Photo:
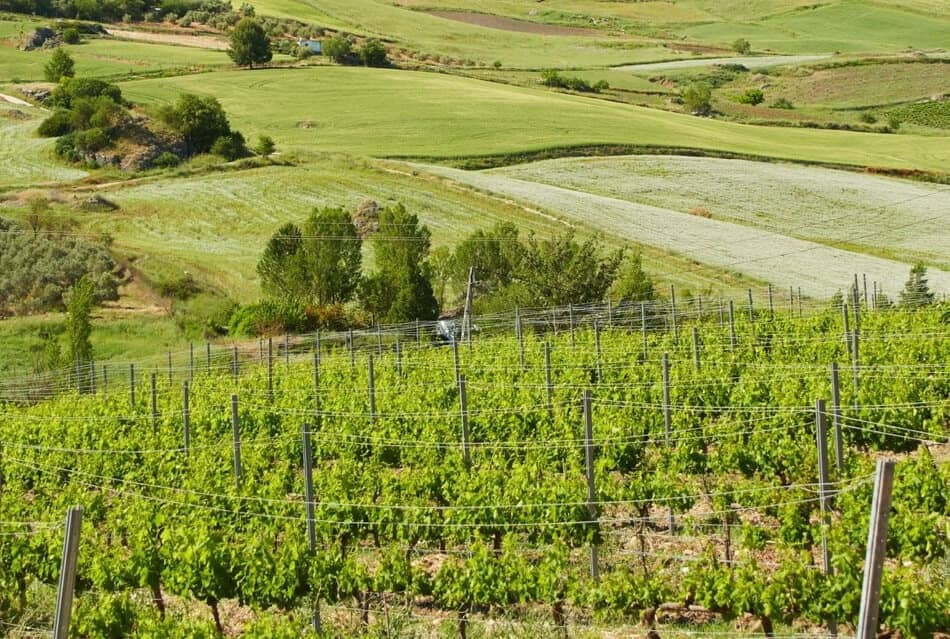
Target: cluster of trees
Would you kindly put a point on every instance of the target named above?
(340, 49)
(90, 115)
(38, 268)
(319, 265)
(113, 10)
(551, 78)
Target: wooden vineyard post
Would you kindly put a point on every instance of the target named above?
(463, 406)
(821, 435)
(185, 415)
(235, 366)
(154, 405)
(836, 419)
(610, 315)
(667, 415)
(379, 340)
(132, 386)
(643, 327)
(751, 311)
(105, 379)
(696, 356)
(311, 515)
(456, 362)
(799, 302)
(591, 490)
(771, 304)
(570, 320)
(286, 350)
(191, 361)
(600, 370)
(866, 302)
(547, 379)
(676, 333)
(316, 385)
(519, 332)
(236, 433)
(67, 573)
(208, 355)
(349, 343)
(699, 301)
(876, 550)
(169, 368)
(270, 369)
(372, 389)
(732, 327)
(847, 328)
(399, 359)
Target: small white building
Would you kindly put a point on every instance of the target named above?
(315, 46)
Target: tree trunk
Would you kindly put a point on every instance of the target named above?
(158, 598)
(560, 619)
(463, 625)
(767, 626)
(216, 614)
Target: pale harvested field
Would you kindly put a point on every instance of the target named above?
(180, 39)
(751, 62)
(26, 159)
(510, 24)
(765, 255)
(865, 212)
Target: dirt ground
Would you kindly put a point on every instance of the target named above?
(199, 41)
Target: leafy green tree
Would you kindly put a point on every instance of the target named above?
(332, 257)
(200, 120)
(71, 35)
(400, 290)
(79, 325)
(741, 46)
(917, 291)
(277, 267)
(60, 65)
(265, 146)
(495, 253)
(561, 271)
(230, 146)
(752, 96)
(338, 48)
(633, 284)
(373, 54)
(250, 44)
(697, 98)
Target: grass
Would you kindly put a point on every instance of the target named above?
(109, 59)
(803, 202)
(759, 254)
(397, 113)
(26, 159)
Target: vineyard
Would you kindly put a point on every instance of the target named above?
(564, 473)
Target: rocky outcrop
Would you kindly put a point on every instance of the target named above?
(42, 38)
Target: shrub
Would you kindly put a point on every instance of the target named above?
(230, 146)
(741, 46)
(697, 98)
(71, 35)
(91, 140)
(752, 96)
(265, 146)
(782, 103)
(867, 117)
(55, 125)
(373, 54)
(74, 88)
(66, 148)
(201, 121)
(60, 65)
(166, 160)
(338, 48)
(893, 122)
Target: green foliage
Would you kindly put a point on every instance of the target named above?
(59, 123)
(632, 283)
(741, 46)
(697, 98)
(752, 96)
(553, 78)
(916, 291)
(60, 65)
(867, 117)
(399, 290)
(339, 48)
(230, 146)
(783, 103)
(166, 160)
(73, 89)
(79, 323)
(200, 120)
(249, 44)
(265, 146)
(934, 113)
(373, 54)
(71, 35)
(37, 270)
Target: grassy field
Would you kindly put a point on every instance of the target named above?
(767, 256)
(895, 218)
(25, 159)
(397, 113)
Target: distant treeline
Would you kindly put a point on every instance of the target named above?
(111, 10)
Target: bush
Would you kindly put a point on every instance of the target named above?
(56, 125)
(200, 120)
(265, 146)
(66, 148)
(697, 98)
(75, 88)
(60, 65)
(752, 96)
(893, 122)
(71, 35)
(741, 46)
(782, 103)
(230, 146)
(91, 140)
(867, 117)
(338, 48)
(373, 54)
(166, 160)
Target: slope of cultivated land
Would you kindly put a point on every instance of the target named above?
(435, 36)
(24, 158)
(108, 58)
(768, 256)
(399, 113)
(750, 62)
(909, 220)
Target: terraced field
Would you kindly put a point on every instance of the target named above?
(765, 255)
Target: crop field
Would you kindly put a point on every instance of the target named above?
(442, 116)
(26, 159)
(767, 256)
(900, 218)
(556, 483)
